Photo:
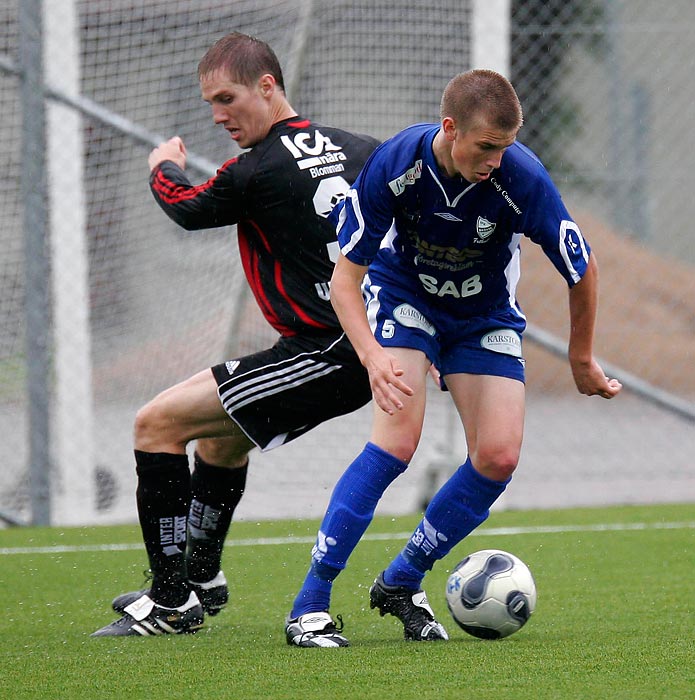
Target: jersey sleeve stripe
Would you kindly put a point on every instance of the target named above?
(173, 193)
(566, 226)
(352, 205)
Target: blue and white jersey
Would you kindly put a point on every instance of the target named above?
(453, 244)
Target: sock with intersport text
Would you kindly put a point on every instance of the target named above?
(216, 492)
(459, 506)
(163, 498)
(350, 510)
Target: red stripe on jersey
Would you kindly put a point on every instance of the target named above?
(299, 125)
(249, 260)
(227, 163)
(300, 312)
(261, 235)
(171, 192)
(281, 287)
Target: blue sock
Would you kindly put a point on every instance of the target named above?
(348, 515)
(459, 506)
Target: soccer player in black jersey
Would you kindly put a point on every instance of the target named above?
(278, 193)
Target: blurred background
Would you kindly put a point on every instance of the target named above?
(104, 302)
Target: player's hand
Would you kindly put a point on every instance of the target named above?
(436, 376)
(591, 380)
(173, 150)
(384, 379)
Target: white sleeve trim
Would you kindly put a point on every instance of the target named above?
(359, 231)
(566, 225)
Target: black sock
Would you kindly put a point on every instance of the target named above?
(163, 498)
(216, 492)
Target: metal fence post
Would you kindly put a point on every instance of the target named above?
(37, 308)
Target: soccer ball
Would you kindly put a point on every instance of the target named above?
(491, 594)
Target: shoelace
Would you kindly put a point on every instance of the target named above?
(337, 629)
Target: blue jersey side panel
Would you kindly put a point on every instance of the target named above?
(452, 243)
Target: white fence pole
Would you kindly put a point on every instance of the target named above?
(490, 35)
(75, 483)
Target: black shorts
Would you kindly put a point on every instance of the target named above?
(281, 393)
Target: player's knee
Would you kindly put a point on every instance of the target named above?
(149, 423)
(402, 452)
(402, 447)
(496, 463)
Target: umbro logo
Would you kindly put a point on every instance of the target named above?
(446, 215)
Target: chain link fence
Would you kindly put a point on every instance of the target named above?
(608, 101)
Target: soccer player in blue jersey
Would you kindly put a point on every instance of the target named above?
(429, 237)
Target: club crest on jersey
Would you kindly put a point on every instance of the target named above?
(484, 229)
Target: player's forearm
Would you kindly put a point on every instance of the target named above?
(188, 206)
(588, 374)
(583, 308)
(347, 300)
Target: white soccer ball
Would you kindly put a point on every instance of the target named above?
(491, 594)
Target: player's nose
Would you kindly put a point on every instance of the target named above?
(494, 160)
(218, 115)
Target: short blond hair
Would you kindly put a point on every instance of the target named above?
(482, 93)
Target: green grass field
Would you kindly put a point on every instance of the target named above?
(615, 617)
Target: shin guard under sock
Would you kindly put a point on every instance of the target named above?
(216, 492)
(163, 498)
(459, 506)
(349, 513)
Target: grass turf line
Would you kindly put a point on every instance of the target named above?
(614, 617)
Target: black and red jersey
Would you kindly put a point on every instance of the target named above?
(279, 194)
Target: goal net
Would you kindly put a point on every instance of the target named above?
(136, 304)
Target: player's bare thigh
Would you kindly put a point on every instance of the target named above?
(182, 413)
(399, 433)
(492, 411)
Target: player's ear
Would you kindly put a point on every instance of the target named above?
(449, 128)
(266, 85)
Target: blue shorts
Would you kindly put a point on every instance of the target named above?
(489, 344)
